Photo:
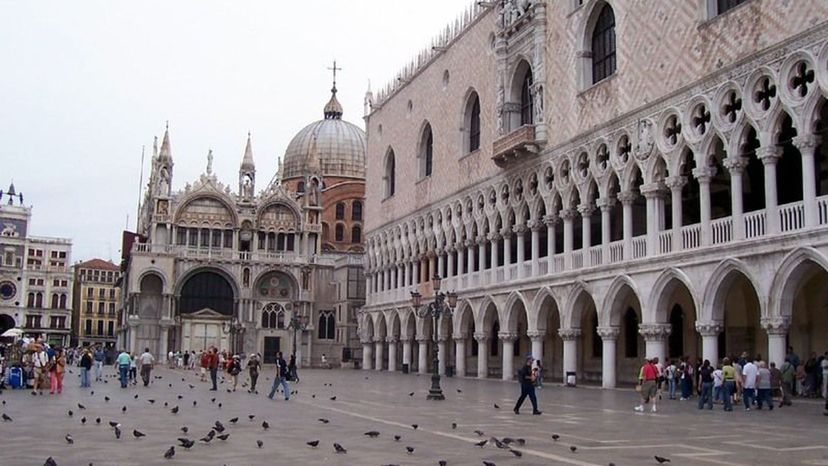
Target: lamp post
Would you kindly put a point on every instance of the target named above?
(297, 323)
(443, 302)
(234, 327)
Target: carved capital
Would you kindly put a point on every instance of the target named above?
(776, 325)
(494, 236)
(605, 203)
(652, 190)
(806, 142)
(654, 332)
(569, 334)
(481, 337)
(481, 239)
(769, 155)
(506, 232)
(735, 164)
(709, 329)
(626, 197)
(378, 339)
(675, 182)
(535, 335)
(550, 220)
(421, 339)
(704, 174)
(391, 340)
(459, 336)
(608, 333)
(567, 214)
(586, 210)
(507, 336)
(519, 229)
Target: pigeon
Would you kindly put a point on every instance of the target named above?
(7, 418)
(234, 420)
(498, 443)
(219, 427)
(114, 424)
(80, 406)
(555, 437)
(175, 410)
(410, 450)
(186, 443)
(661, 459)
(454, 425)
(251, 416)
(323, 420)
(92, 393)
(151, 401)
(83, 420)
(488, 463)
(481, 443)
(496, 406)
(397, 437)
(212, 400)
(138, 433)
(117, 432)
(185, 429)
(191, 386)
(333, 398)
(265, 425)
(166, 404)
(479, 433)
(223, 437)
(411, 394)
(97, 420)
(180, 396)
(219, 405)
(415, 426)
(169, 453)
(50, 462)
(442, 462)
(313, 443)
(259, 443)
(123, 410)
(339, 448)
(106, 398)
(372, 434)
(508, 440)
(520, 441)
(69, 439)
(459, 391)
(195, 402)
(70, 413)
(516, 453)
(573, 448)
(207, 438)
(136, 396)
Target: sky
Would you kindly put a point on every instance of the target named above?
(85, 84)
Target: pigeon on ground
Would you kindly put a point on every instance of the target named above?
(80, 406)
(138, 434)
(169, 453)
(313, 443)
(175, 410)
(219, 405)
(234, 420)
(251, 416)
(114, 424)
(219, 427)
(516, 453)
(323, 420)
(479, 433)
(106, 398)
(7, 418)
(136, 396)
(573, 448)
(415, 426)
(411, 394)
(339, 448)
(397, 437)
(123, 410)
(459, 391)
(442, 462)
(454, 425)
(50, 462)
(496, 406)
(70, 413)
(410, 450)
(372, 434)
(185, 429)
(97, 420)
(661, 459)
(151, 401)
(265, 425)
(333, 398)
(481, 443)
(223, 437)
(117, 432)
(555, 437)
(195, 403)
(259, 443)
(488, 463)
(186, 443)
(83, 420)
(69, 439)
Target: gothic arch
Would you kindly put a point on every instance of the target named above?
(791, 274)
(584, 36)
(510, 316)
(462, 316)
(227, 275)
(717, 285)
(189, 199)
(663, 287)
(537, 315)
(575, 302)
(611, 310)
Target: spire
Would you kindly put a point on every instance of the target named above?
(155, 148)
(165, 144)
(333, 109)
(369, 100)
(247, 160)
(279, 171)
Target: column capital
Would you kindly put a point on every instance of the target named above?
(652, 190)
(507, 336)
(704, 174)
(608, 333)
(379, 339)
(654, 332)
(626, 197)
(422, 339)
(406, 338)
(568, 334)
(481, 337)
(735, 164)
(519, 229)
(460, 335)
(776, 325)
(709, 329)
(535, 335)
(442, 338)
(605, 203)
(391, 340)
(506, 233)
(550, 220)
(768, 154)
(365, 340)
(586, 210)
(481, 239)
(567, 214)
(675, 182)
(534, 225)
(806, 142)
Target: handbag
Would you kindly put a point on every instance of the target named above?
(638, 388)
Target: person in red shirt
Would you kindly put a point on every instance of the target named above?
(212, 364)
(205, 364)
(647, 377)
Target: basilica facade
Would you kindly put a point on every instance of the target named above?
(600, 181)
(247, 270)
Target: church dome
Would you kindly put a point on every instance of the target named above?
(330, 146)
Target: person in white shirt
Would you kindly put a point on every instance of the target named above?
(718, 380)
(671, 379)
(40, 362)
(146, 360)
(749, 373)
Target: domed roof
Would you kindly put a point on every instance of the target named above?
(331, 146)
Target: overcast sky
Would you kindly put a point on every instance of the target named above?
(84, 84)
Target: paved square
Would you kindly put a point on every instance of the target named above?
(600, 423)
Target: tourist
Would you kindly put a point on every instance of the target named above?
(749, 374)
(147, 361)
(824, 366)
(686, 379)
(526, 378)
(325, 364)
(737, 367)
(85, 366)
(186, 360)
(706, 385)
(171, 360)
(763, 386)
(133, 367)
(538, 370)
(234, 368)
(647, 377)
(253, 365)
(729, 383)
(776, 382)
(293, 376)
(792, 357)
(40, 363)
(718, 381)
(99, 357)
(179, 357)
(213, 364)
(788, 382)
(57, 366)
(122, 364)
(660, 378)
(280, 378)
(204, 362)
(670, 374)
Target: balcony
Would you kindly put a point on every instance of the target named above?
(515, 146)
(231, 255)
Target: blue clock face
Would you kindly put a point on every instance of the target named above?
(7, 290)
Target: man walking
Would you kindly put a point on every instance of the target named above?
(122, 363)
(40, 361)
(706, 385)
(749, 373)
(526, 377)
(85, 367)
(280, 378)
(253, 365)
(647, 377)
(212, 364)
(147, 361)
(99, 360)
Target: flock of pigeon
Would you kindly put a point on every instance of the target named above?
(220, 432)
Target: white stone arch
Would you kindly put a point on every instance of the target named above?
(466, 118)
(393, 324)
(610, 313)
(663, 288)
(574, 304)
(509, 321)
(408, 323)
(536, 321)
(583, 37)
(211, 195)
(380, 329)
(791, 274)
(165, 287)
(717, 285)
(484, 319)
(463, 316)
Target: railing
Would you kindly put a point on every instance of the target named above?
(578, 259)
(513, 271)
(558, 263)
(691, 236)
(791, 216)
(543, 266)
(639, 247)
(500, 274)
(596, 255)
(527, 268)
(617, 251)
(722, 230)
(754, 224)
(665, 242)
(822, 209)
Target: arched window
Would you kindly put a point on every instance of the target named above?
(426, 152)
(356, 234)
(62, 301)
(39, 300)
(327, 326)
(527, 113)
(340, 211)
(474, 124)
(339, 232)
(390, 174)
(630, 333)
(356, 211)
(30, 301)
(273, 316)
(55, 300)
(300, 188)
(603, 45)
(280, 319)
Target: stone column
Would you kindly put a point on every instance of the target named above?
(567, 215)
(520, 231)
(807, 144)
(416, 275)
(676, 184)
(441, 355)
(535, 227)
(162, 347)
(550, 221)
(536, 338)
(450, 262)
(379, 343)
(605, 204)
(432, 266)
(777, 329)
(422, 356)
(493, 239)
(482, 355)
(366, 355)
(507, 246)
(586, 211)
(481, 251)
(626, 198)
(460, 355)
(461, 256)
(441, 264)
(736, 166)
(704, 175)
(655, 339)
(769, 156)
(407, 351)
(709, 332)
(508, 356)
(609, 337)
(570, 349)
(652, 193)
(470, 256)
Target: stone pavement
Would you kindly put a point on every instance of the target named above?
(600, 423)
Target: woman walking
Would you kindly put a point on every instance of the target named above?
(253, 366)
(56, 368)
(85, 367)
(234, 368)
(706, 385)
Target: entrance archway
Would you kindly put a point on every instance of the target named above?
(207, 290)
(6, 322)
(625, 314)
(803, 300)
(549, 321)
(736, 303)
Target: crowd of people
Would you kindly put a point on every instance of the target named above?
(748, 380)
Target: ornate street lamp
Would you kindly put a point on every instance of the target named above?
(297, 323)
(443, 302)
(233, 327)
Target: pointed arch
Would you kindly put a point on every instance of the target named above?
(656, 310)
(621, 288)
(793, 272)
(510, 313)
(718, 284)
